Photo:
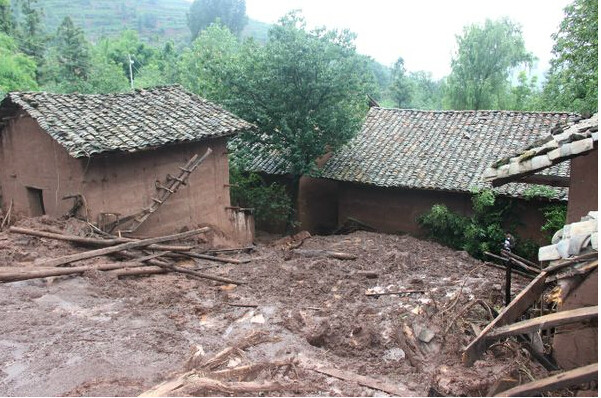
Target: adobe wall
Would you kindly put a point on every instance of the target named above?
(393, 210)
(31, 158)
(396, 210)
(584, 189)
(125, 184)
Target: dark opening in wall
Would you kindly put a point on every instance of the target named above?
(36, 202)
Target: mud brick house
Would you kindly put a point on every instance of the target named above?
(113, 151)
(402, 162)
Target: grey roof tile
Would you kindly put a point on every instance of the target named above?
(97, 123)
(439, 150)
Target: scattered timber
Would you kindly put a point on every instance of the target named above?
(546, 322)
(117, 248)
(571, 261)
(93, 241)
(243, 305)
(515, 271)
(516, 260)
(522, 259)
(201, 275)
(573, 377)
(395, 390)
(509, 314)
(22, 274)
(368, 274)
(323, 253)
(138, 271)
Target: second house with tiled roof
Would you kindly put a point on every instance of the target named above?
(112, 156)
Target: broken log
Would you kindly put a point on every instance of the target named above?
(21, 274)
(522, 259)
(93, 241)
(570, 378)
(368, 274)
(324, 253)
(515, 260)
(117, 248)
(214, 258)
(545, 322)
(201, 275)
(396, 390)
(571, 261)
(515, 271)
(138, 271)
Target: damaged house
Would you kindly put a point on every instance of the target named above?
(111, 157)
(402, 162)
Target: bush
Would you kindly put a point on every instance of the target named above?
(555, 218)
(270, 202)
(445, 226)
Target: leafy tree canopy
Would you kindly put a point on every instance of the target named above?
(17, 70)
(306, 91)
(231, 13)
(486, 55)
(573, 79)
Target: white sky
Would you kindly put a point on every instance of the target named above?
(421, 31)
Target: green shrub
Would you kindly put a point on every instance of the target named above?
(271, 202)
(555, 218)
(445, 226)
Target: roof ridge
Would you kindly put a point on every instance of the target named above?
(474, 111)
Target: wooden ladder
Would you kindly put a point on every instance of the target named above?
(165, 190)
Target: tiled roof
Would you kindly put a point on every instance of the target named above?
(439, 150)
(87, 124)
(556, 147)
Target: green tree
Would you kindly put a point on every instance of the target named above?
(304, 90)
(17, 70)
(231, 13)
(573, 79)
(486, 55)
(69, 61)
(127, 45)
(401, 89)
(525, 96)
(426, 92)
(6, 18)
(207, 66)
(30, 32)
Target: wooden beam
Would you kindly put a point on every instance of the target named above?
(517, 307)
(545, 322)
(113, 249)
(92, 241)
(571, 261)
(552, 181)
(573, 377)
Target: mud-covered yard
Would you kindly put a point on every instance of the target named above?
(97, 334)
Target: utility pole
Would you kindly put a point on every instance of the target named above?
(131, 73)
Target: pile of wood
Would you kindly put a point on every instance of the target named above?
(507, 324)
(224, 373)
(144, 257)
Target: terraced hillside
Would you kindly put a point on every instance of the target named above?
(155, 20)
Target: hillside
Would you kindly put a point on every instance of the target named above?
(155, 20)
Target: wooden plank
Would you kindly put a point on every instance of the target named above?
(123, 246)
(522, 259)
(397, 390)
(510, 313)
(571, 261)
(515, 260)
(573, 377)
(552, 181)
(545, 322)
(92, 241)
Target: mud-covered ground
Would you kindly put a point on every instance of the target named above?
(99, 335)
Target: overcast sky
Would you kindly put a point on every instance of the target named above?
(421, 31)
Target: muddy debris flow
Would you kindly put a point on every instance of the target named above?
(392, 319)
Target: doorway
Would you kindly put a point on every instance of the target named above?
(36, 202)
